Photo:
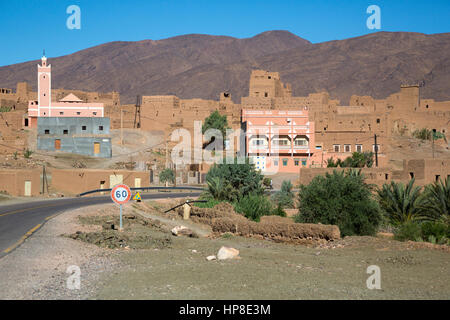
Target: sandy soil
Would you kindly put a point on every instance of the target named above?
(266, 270)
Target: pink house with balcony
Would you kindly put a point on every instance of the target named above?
(279, 140)
(69, 106)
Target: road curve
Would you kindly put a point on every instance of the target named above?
(19, 221)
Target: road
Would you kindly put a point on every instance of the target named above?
(19, 221)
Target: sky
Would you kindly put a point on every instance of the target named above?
(29, 26)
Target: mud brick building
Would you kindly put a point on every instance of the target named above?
(81, 135)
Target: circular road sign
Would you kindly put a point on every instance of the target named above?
(120, 194)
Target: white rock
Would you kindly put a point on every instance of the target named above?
(176, 230)
(227, 253)
(209, 258)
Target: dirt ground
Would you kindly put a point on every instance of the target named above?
(179, 269)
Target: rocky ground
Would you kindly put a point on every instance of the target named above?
(178, 268)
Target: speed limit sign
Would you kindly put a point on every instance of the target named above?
(121, 194)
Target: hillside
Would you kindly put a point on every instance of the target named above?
(201, 66)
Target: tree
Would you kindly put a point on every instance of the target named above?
(167, 175)
(285, 197)
(216, 121)
(240, 179)
(436, 200)
(342, 199)
(400, 203)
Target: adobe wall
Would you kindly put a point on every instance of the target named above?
(13, 181)
(76, 181)
(424, 171)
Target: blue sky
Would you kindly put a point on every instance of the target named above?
(28, 26)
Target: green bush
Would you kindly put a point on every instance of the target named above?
(408, 231)
(211, 203)
(434, 232)
(254, 206)
(27, 153)
(400, 203)
(438, 230)
(232, 182)
(284, 197)
(436, 201)
(340, 199)
(167, 175)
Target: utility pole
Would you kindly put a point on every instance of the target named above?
(432, 141)
(121, 126)
(167, 154)
(44, 180)
(376, 150)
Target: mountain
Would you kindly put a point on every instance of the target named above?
(201, 66)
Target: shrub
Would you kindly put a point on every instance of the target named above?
(167, 175)
(408, 231)
(438, 230)
(436, 200)
(254, 206)
(284, 197)
(278, 211)
(400, 203)
(239, 180)
(340, 199)
(211, 203)
(27, 153)
(266, 182)
(427, 134)
(434, 232)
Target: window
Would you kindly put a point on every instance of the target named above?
(266, 94)
(61, 113)
(78, 113)
(280, 142)
(83, 128)
(378, 120)
(257, 142)
(347, 148)
(296, 162)
(437, 177)
(337, 147)
(275, 162)
(47, 131)
(318, 147)
(100, 128)
(376, 148)
(359, 148)
(301, 142)
(386, 176)
(411, 175)
(94, 113)
(66, 132)
(285, 162)
(304, 161)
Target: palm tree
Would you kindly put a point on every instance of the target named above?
(436, 200)
(219, 189)
(401, 203)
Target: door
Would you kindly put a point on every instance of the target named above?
(57, 144)
(115, 179)
(137, 182)
(27, 189)
(96, 147)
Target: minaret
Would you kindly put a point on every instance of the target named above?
(44, 87)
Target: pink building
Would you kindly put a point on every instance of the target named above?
(279, 141)
(69, 106)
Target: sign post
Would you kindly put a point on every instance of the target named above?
(121, 194)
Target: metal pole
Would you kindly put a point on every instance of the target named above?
(376, 150)
(120, 217)
(432, 141)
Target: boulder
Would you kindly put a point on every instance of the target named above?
(227, 253)
(182, 231)
(209, 258)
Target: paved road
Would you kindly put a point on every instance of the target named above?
(18, 221)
